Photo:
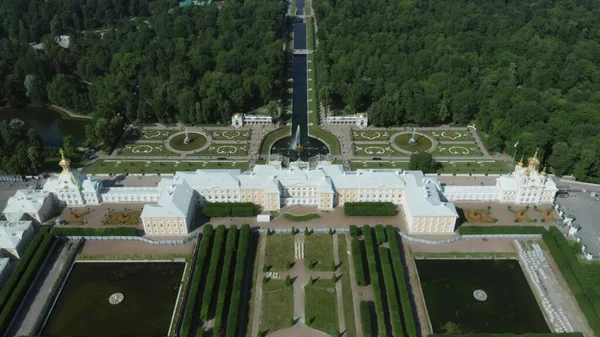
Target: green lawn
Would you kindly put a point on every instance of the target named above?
(161, 134)
(354, 165)
(145, 149)
(158, 166)
(346, 286)
(481, 167)
(304, 217)
(321, 307)
(318, 249)
(376, 150)
(225, 149)
(279, 251)
(230, 134)
(457, 150)
(277, 306)
(272, 137)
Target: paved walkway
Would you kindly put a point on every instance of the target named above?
(257, 310)
(338, 286)
(355, 290)
(298, 330)
(39, 293)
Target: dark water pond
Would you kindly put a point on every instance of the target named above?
(150, 291)
(448, 286)
(49, 124)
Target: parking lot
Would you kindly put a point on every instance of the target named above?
(586, 210)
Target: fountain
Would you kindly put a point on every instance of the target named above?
(296, 140)
(412, 140)
(186, 140)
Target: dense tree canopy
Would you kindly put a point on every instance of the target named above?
(525, 70)
(423, 161)
(144, 60)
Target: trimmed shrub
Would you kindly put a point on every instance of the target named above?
(230, 246)
(106, 231)
(390, 290)
(354, 231)
(377, 295)
(201, 255)
(225, 209)
(369, 209)
(396, 253)
(211, 277)
(473, 230)
(200, 332)
(380, 234)
(366, 319)
(357, 260)
(571, 270)
(238, 278)
(19, 291)
(10, 284)
(566, 334)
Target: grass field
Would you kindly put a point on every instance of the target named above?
(272, 137)
(279, 251)
(299, 218)
(346, 287)
(318, 250)
(481, 167)
(321, 307)
(278, 306)
(158, 166)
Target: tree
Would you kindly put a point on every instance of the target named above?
(423, 161)
(288, 281)
(68, 146)
(561, 159)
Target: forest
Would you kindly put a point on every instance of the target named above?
(144, 61)
(521, 70)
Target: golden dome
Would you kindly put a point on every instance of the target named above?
(534, 161)
(64, 162)
(544, 171)
(237, 115)
(361, 115)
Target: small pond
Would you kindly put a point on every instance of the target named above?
(49, 124)
(149, 293)
(455, 306)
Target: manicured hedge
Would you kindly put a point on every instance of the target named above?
(365, 318)
(567, 334)
(354, 231)
(395, 252)
(10, 284)
(211, 278)
(472, 230)
(19, 291)
(571, 270)
(224, 209)
(369, 209)
(192, 298)
(222, 295)
(238, 279)
(372, 262)
(359, 271)
(390, 290)
(90, 231)
(380, 234)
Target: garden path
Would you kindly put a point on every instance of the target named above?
(258, 282)
(355, 299)
(338, 286)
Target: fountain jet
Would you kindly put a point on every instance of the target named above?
(296, 140)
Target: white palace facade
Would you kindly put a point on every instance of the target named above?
(170, 207)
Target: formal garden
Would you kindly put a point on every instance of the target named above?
(230, 134)
(125, 217)
(447, 167)
(150, 134)
(226, 150)
(124, 166)
(145, 149)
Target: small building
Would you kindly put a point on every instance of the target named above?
(15, 234)
(173, 213)
(239, 120)
(361, 120)
(37, 204)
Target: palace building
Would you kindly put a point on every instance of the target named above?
(426, 205)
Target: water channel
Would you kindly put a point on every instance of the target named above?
(299, 146)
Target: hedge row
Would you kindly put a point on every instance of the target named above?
(238, 279)
(390, 290)
(472, 230)
(395, 252)
(230, 246)
(88, 231)
(186, 325)
(10, 284)
(19, 291)
(212, 272)
(380, 234)
(359, 271)
(372, 262)
(565, 334)
(365, 318)
(369, 209)
(571, 270)
(354, 231)
(223, 209)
